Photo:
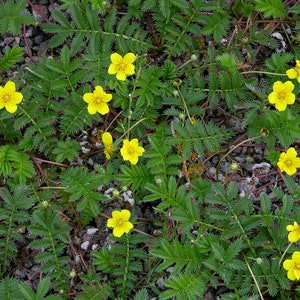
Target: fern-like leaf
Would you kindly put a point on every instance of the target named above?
(10, 57)
(271, 8)
(12, 16)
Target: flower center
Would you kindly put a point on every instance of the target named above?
(6, 97)
(282, 95)
(97, 100)
(130, 150)
(121, 66)
(120, 222)
(288, 163)
(297, 266)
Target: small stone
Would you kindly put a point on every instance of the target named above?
(38, 39)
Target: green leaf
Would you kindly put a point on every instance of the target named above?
(271, 8)
(11, 57)
(66, 150)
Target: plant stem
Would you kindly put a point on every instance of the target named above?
(126, 267)
(284, 253)
(254, 279)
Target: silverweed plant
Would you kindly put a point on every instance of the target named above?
(152, 152)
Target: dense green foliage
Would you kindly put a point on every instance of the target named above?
(199, 65)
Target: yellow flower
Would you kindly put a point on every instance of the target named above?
(293, 266)
(294, 72)
(108, 144)
(294, 234)
(289, 162)
(120, 222)
(282, 95)
(9, 98)
(97, 101)
(131, 151)
(122, 66)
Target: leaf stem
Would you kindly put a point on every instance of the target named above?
(254, 279)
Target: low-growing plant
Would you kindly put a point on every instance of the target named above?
(119, 168)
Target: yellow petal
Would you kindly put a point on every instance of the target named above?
(290, 98)
(112, 69)
(17, 97)
(281, 106)
(278, 86)
(294, 236)
(92, 109)
(111, 223)
(10, 87)
(129, 70)
(296, 257)
(290, 171)
(291, 73)
(288, 264)
(107, 138)
(102, 108)
(121, 75)
(118, 231)
(116, 58)
(127, 226)
(129, 58)
(273, 98)
(291, 275)
(125, 213)
(88, 97)
(297, 162)
(291, 152)
(289, 86)
(10, 107)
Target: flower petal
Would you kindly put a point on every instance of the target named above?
(288, 264)
(88, 97)
(125, 214)
(92, 109)
(129, 58)
(291, 73)
(102, 108)
(121, 75)
(294, 236)
(10, 107)
(10, 87)
(107, 138)
(17, 98)
(129, 70)
(118, 231)
(112, 69)
(273, 98)
(291, 153)
(116, 58)
(127, 226)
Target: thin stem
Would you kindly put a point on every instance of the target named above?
(254, 279)
(126, 266)
(284, 253)
(227, 153)
(184, 104)
(138, 122)
(262, 72)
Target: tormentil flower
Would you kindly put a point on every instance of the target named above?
(293, 266)
(289, 162)
(294, 234)
(120, 222)
(9, 98)
(282, 95)
(97, 101)
(108, 144)
(294, 72)
(122, 66)
(131, 151)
